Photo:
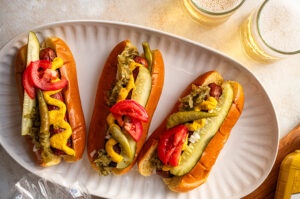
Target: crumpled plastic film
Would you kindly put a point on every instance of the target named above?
(35, 187)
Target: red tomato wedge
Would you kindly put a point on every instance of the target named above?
(130, 116)
(28, 85)
(38, 74)
(42, 80)
(170, 145)
(130, 108)
(134, 128)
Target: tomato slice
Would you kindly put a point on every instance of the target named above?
(28, 85)
(130, 116)
(134, 128)
(130, 108)
(41, 76)
(170, 144)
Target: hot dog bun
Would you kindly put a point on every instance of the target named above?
(74, 112)
(98, 125)
(199, 173)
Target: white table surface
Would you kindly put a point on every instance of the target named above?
(281, 79)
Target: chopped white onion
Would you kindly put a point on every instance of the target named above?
(194, 137)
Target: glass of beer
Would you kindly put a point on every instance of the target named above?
(272, 31)
(211, 12)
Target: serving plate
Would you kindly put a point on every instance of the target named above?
(242, 165)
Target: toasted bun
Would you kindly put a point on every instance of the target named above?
(200, 172)
(71, 95)
(98, 126)
(19, 67)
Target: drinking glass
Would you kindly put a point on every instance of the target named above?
(211, 12)
(272, 31)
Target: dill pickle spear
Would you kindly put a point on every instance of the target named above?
(143, 84)
(33, 53)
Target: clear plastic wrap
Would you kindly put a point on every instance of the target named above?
(34, 187)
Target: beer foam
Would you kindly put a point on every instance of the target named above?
(216, 5)
(279, 24)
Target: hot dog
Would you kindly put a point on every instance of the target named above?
(184, 148)
(52, 116)
(128, 92)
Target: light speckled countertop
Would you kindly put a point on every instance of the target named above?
(280, 79)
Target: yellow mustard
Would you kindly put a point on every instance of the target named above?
(183, 147)
(209, 104)
(110, 119)
(197, 124)
(185, 144)
(111, 152)
(166, 167)
(57, 63)
(56, 117)
(125, 91)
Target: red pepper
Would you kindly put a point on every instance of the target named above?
(130, 108)
(41, 79)
(170, 144)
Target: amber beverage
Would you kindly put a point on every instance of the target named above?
(272, 31)
(211, 12)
